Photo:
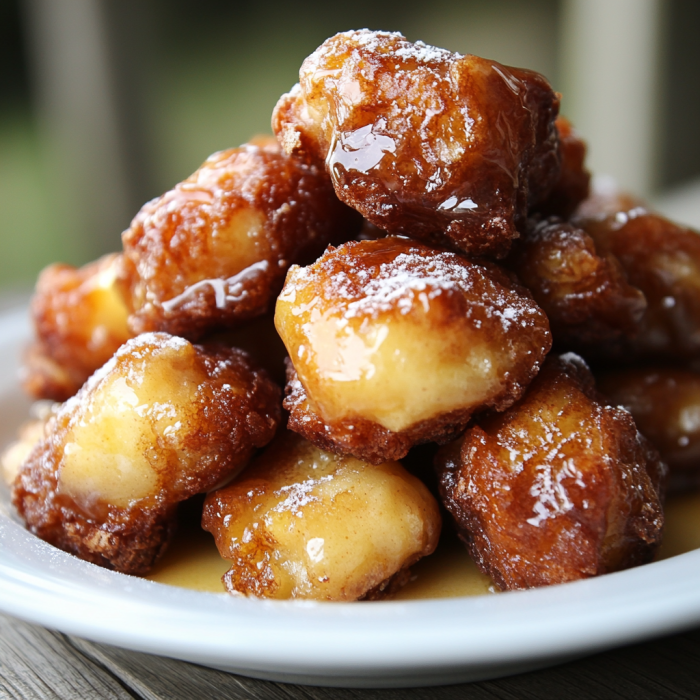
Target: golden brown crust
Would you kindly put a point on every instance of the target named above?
(665, 404)
(559, 487)
(585, 294)
(660, 258)
(363, 438)
(213, 251)
(121, 427)
(303, 523)
(387, 589)
(373, 325)
(80, 321)
(447, 148)
(573, 185)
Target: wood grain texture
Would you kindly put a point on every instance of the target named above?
(37, 663)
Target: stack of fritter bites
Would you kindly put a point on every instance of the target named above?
(461, 242)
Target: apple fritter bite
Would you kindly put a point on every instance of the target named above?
(665, 404)
(394, 343)
(573, 185)
(304, 523)
(213, 251)
(448, 148)
(161, 421)
(585, 294)
(660, 258)
(560, 487)
(80, 320)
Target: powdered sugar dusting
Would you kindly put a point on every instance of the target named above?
(397, 44)
(412, 280)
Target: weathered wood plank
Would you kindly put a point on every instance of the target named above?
(663, 668)
(37, 663)
(155, 678)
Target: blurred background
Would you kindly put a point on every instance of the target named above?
(105, 104)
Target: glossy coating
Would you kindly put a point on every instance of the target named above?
(213, 251)
(660, 258)
(585, 294)
(396, 343)
(573, 185)
(560, 487)
(80, 320)
(161, 421)
(439, 146)
(304, 523)
(665, 403)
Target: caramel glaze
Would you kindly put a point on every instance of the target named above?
(660, 258)
(161, 421)
(558, 488)
(213, 251)
(80, 321)
(394, 343)
(584, 292)
(665, 404)
(301, 522)
(573, 185)
(447, 148)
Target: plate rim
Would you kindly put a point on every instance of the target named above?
(389, 643)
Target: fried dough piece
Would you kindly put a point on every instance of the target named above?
(161, 421)
(660, 258)
(573, 185)
(213, 251)
(304, 523)
(447, 148)
(80, 322)
(394, 343)
(585, 294)
(560, 487)
(665, 404)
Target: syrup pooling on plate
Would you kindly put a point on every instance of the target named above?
(395, 343)
(424, 142)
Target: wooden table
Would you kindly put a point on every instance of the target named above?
(38, 663)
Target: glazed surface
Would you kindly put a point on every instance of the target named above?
(80, 321)
(162, 421)
(304, 523)
(213, 251)
(560, 487)
(438, 146)
(402, 336)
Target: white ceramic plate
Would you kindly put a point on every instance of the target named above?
(357, 644)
